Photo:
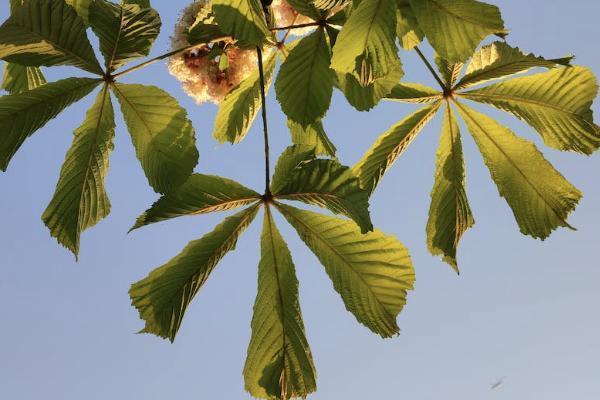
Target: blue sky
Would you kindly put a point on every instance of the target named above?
(522, 309)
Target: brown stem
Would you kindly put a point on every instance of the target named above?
(431, 69)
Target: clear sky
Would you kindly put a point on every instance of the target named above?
(522, 309)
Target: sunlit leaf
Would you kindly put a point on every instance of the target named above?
(163, 296)
(449, 214)
(24, 113)
(200, 194)
(47, 32)
(450, 71)
(279, 363)
(363, 98)
(413, 93)
(313, 135)
(288, 161)
(407, 27)
(540, 197)
(306, 7)
(161, 132)
(242, 19)
(372, 272)
(80, 200)
(19, 78)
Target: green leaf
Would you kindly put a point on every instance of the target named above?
(363, 98)
(371, 168)
(306, 7)
(204, 33)
(19, 78)
(414, 93)
(304, 84)
(326, 5)
(242, 19)
(163, 296)
(126, 32)
(498, 60)
(279, 363)
(80, 200)
(556, 103)
(366, 46)
(449, 214)
(372, 272)
(313, 136)
(141, 3)
(540, 197)
(161, 132)
(82, 7)
(407, 27)
(23, 114)
(456, 27)
(200, 194)
(450, 71)
(47, 32)
(328, 184)
(239, 108)
(288, 161)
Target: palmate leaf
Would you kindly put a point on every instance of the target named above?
(314, 136)
(306, 7)
(555, 103)
(371, 168)
(328, 184)
(279, 363)
(304, 84)
(288, 161)
(162, 134)
(19, 78)
(23, 114)
(363, 98)
(366, 46)
(407, 27)
(540, 197)
(372, 272)
(454, 28)
(47, 32)
(498, 60)
(126, 32)
(200, 194)
(80, 200)
(163, 296)
(449, 214)
(141, 3)
(82, 7)
(413, 93)
(450, 72)
(242, 19)
(240, 107)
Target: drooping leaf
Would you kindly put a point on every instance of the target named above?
(126, 32)
(556, 103)
(413, 93)
(288, 161)
(371, 168)
(279, 363)
(366, 46)
(163, 296)
(200, 194)
(24, 113)
(372, 272)
(242, 19)
(304, 84)
(450, 71)
(540, 197)
(449, 214)
(407, 27)
(161, 132)
(363, 98)
(313, 135)
(19, 78)
(47, 32)
(498, 60)
(328, 184)
(239, 108)
(80, 200)
(455, 28)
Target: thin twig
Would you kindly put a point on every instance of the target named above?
(264, 119)
(431, 69)
(283, 28)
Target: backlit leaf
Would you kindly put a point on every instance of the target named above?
(242, 19)
(413, 93)
(313, 135)
(363, 98)
(19, 78)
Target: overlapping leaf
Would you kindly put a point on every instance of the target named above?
(540, 197)
(19, 78)
(80, 200)
(362, 97)
(407, 27)
(288, 161)
(413, 93)
(200, 194)
(23, 114)
(279, 363)
(450, 71)
(47, 32)
(372, 272)
(163, 296)
(314, 136)
(126, 32)
(242, 19)
(162, 134)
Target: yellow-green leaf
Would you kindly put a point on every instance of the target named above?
(19, 78)
(313, 135)
(242, 19)
(413, 93)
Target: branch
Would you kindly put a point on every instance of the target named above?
(265, 127)
(431, 69)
